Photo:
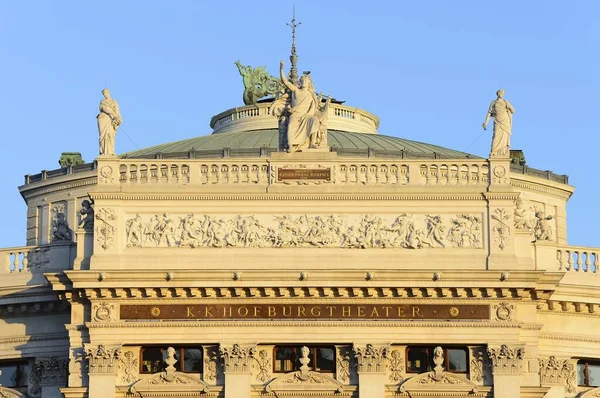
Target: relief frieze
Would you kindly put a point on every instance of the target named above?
(407, 231)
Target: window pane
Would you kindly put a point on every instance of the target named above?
(417, 359)
(152, 360)
(8, 378)
(594, 375)
(457, 360)
(192, 360)
(325, 359)
(285, 359)
(581, 373)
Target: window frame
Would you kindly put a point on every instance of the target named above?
(179, 352)
(313, 363)
(429, 349)
(18, 363)
(586, 375)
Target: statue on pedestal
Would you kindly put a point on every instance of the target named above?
(307, 117)
(501, 110)
(109, 120)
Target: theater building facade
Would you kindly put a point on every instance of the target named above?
(224, 266)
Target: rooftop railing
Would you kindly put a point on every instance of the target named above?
(578, 259)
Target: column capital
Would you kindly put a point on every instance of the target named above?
(237, 359)
(506, 360)
(370, 358)
(102, 359)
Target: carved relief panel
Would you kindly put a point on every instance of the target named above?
(405, 231)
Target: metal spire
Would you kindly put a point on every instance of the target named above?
(293, 76)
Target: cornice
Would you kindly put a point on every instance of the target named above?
(43, 337)
(569, 337)
(562, 193)
(28, 193)
(286, 197)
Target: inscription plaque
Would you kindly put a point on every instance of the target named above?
(306, 311)
(304, 174)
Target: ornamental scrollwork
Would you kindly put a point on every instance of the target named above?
(263, 364)
(407, 231)
(396, 366)
(104, 312)
(560, 372)
(343, 360)
(504, 311)
(105, 227)
(129, 367)
(501, 229)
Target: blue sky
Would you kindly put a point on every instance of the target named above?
(428, 69)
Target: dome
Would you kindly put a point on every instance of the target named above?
(252, 130)
(250, 143)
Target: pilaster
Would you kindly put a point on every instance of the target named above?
(237, 361)
(507, 366)
(371, 362)
(102, 369)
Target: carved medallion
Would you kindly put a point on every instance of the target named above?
(504, 311)
(103, 312)
(106, 175)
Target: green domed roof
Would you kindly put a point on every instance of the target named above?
(252, 141)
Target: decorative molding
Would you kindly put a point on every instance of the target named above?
(593, 393)
(29, 193)
(105, 175)
(236, 358)
(295, 197)
(505, 360)
(343, 361)
(501, 229)
(212, 364)
(559, 372)
(104, 312)
(264, 367)
(504, 311)
(129, 367)
(105, 228)
(10, 393)
(477, 365)
(102, 359)
(53, 371)
(396, 366)
(500, 176)
(448, 384)
(370, 358)
(408, 231)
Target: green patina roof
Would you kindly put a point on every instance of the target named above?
(270, 139)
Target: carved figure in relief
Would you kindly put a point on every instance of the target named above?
(307, 120)
(543, 229)
(501, 110)
(524, 217)
(109, 120)
(435, 230)
(133, 229)
(87, 215)
(465, 231)
(61, 232)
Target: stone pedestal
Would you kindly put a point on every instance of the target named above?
(371, 361)
(102, 385)
(507, 367)
(371, 385)
(238, 372)
(85, 249)
(237, 385)
(61, 255)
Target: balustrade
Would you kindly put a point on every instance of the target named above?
(368, 173)
(24, 259)
(578, 259)
(446, 173)
(132, 172)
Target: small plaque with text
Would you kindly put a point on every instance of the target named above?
(304, 174)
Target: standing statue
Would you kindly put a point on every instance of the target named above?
(257, 83)
(307, 120)
(501, 110)
(109, 120)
